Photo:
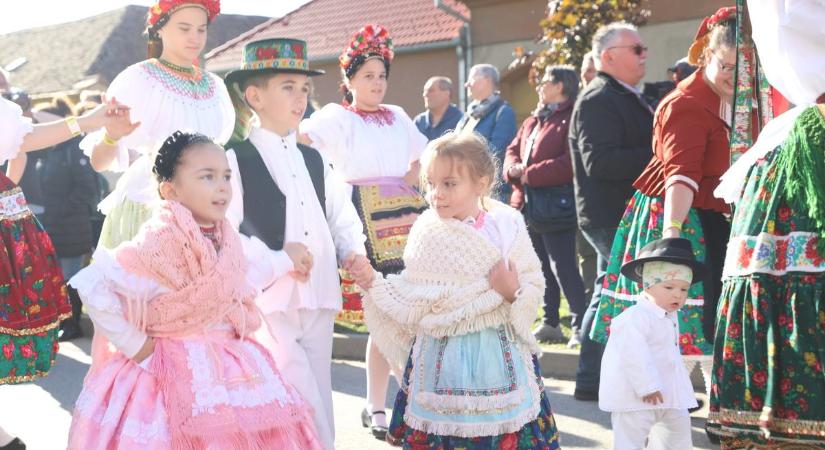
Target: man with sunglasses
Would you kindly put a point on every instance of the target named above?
(610, 144)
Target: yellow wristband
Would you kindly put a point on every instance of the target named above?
(108, 139)
(74, 127)
(675, 224)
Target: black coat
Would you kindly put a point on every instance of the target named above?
(70, 194)
(610, 137)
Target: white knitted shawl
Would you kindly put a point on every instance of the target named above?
(443, 291)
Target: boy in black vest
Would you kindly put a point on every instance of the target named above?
(285, 192)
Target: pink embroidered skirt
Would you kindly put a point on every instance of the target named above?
(122, 404)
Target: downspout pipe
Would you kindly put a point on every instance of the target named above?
(464, 51)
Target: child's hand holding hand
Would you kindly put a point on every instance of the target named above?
(359, 267)
(505, 280)
(654, 398)
(301, 260)
(145, 351)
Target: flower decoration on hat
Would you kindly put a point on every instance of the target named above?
(700, 42)
(160, 12)
(370, 41)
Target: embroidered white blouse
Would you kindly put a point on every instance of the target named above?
(641, 357)
(359, 146)
(339, 232)
(163, 103)
(102, 284)
(13, 128)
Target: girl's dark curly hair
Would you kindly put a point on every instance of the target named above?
(170, 152)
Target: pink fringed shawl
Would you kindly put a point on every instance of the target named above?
(207, 287)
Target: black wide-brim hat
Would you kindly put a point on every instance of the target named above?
(276, 55)
(672, 250)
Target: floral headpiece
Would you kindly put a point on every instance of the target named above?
(370, 41)
(703, 33)
(160, 12)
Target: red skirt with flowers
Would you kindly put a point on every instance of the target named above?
(33, 297)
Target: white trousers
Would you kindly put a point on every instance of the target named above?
(301, 344)
(663, 429)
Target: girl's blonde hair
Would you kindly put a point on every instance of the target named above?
(469, 150)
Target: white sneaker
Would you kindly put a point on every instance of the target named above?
(574, 341)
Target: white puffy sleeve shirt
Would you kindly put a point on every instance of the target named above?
(641, 357)
(361, 148)
(13, 128)
(105, 282)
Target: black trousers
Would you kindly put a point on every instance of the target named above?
(716, 229)
(559, 262)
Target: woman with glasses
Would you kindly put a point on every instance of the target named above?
(674, 196)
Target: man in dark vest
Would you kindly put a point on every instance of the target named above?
(284, 192)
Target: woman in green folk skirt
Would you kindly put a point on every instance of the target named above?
(768, 380)
(675, 191)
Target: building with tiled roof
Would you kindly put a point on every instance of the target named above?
(90, 52)
(428, 41)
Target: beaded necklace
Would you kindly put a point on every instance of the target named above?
(194, 85)
(382, 116)
(184, 70)
(211, 233)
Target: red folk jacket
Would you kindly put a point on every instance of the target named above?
(690, 144)
(550, 163)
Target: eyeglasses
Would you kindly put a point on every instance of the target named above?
(729, 68)
(638, 49)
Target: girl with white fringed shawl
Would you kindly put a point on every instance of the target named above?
(460, 314)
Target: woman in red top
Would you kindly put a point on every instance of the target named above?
(539, 157)
(675, 191)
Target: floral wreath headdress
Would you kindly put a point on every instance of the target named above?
(700, 42)
(159, 13)
(372, 41)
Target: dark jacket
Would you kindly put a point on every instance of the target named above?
(611, 135)
(70, 192)
(448, 122)
(498, 127)
(549, 160)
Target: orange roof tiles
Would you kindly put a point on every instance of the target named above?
(327, 26)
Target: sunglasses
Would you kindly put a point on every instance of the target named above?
(638, 49)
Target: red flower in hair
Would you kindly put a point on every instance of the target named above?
(370, 40)
(213, 8)
(721, 15)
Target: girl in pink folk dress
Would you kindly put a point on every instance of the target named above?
(173, 364)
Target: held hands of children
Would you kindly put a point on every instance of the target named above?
(360, 269)
(503, 279)
(653, 398)
(301, 260)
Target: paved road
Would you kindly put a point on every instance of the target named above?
(41, 412)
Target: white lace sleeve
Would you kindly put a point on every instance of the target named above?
(102, 286)
(13, 128)
(417, 141)
(328, 128)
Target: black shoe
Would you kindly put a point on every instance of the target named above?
(379, 431)
(586, 396)
(15, 444)
(68, 331)
(712, 437)
(699, 404)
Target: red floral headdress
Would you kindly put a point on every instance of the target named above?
(163, 8)
(370, 41)
(703, 33)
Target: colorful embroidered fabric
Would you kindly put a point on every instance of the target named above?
(371, 40)
(195, 87)
(381, 117)
(388, 211)
(768, 355)
(640, 225)
(33, 297)
(539, 434)
(163, 7)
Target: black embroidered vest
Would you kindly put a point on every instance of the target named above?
(264, 205)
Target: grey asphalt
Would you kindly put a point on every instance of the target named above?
(40, 412)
